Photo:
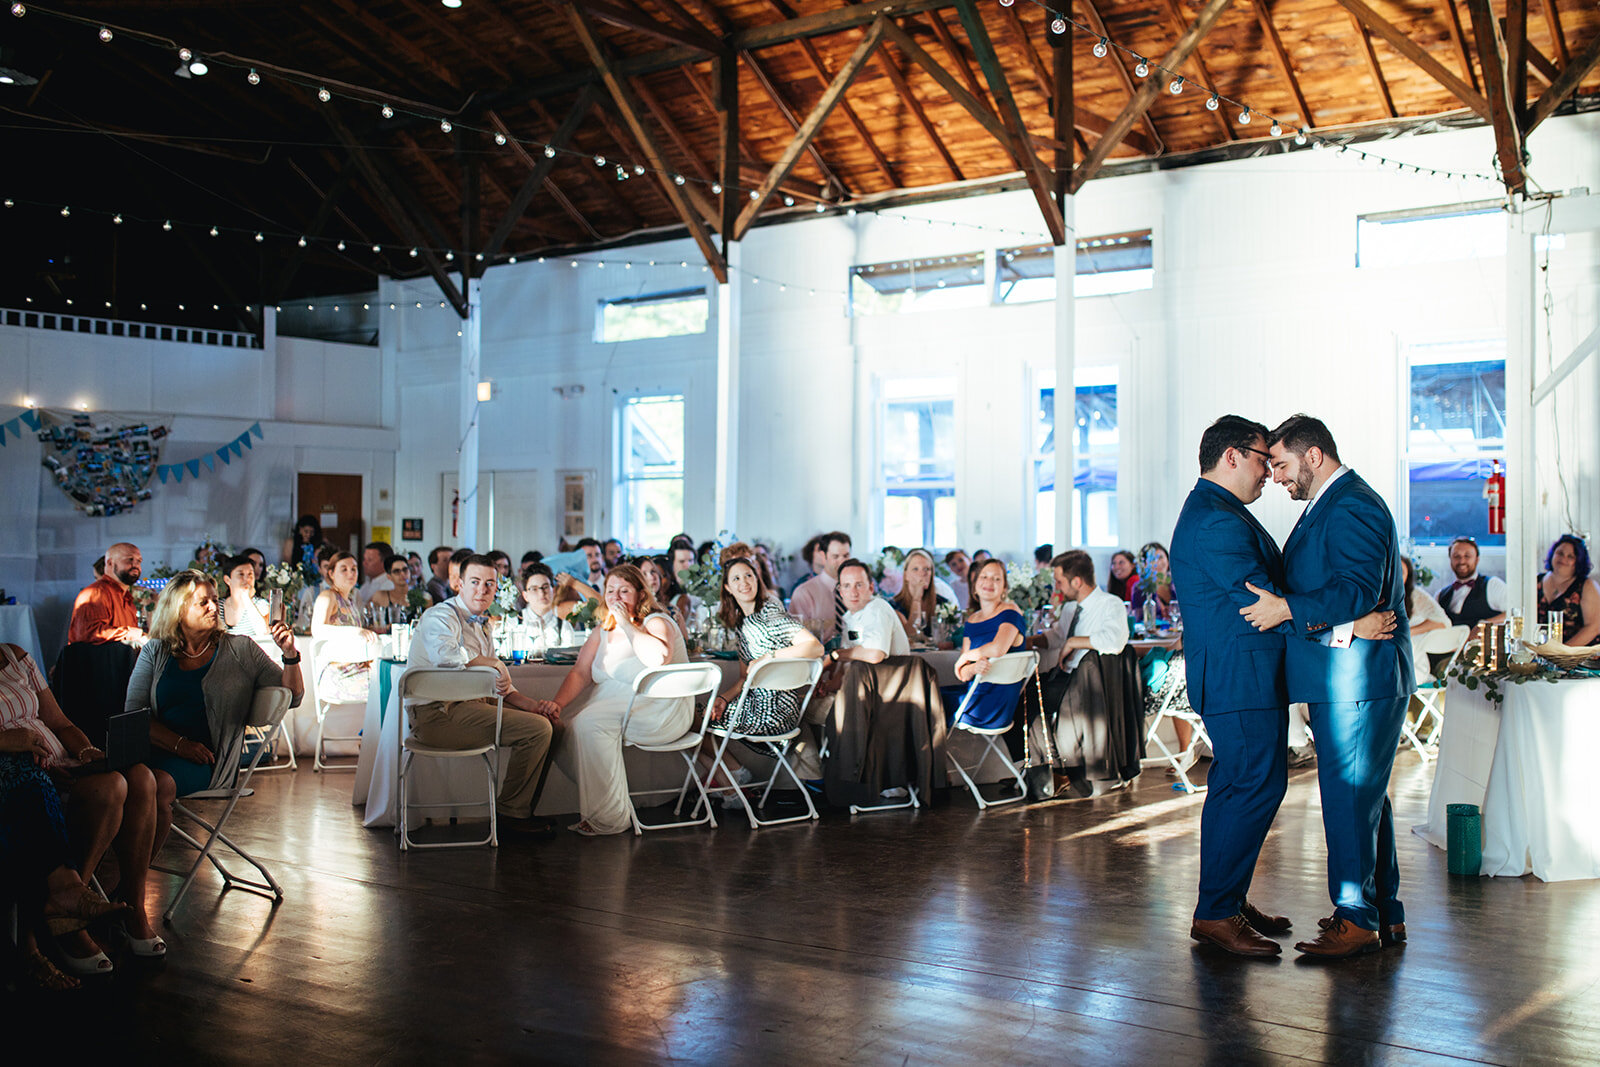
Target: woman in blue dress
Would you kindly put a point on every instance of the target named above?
(994, 627)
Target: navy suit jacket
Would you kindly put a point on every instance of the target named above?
(1341, 561)
(1217, 546)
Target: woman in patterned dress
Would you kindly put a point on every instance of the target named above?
(335, 614)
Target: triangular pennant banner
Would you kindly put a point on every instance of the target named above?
(15, 426)
(233, 446)
(194, 468)
(224, 455)
(3, 434)
(210, 461)
(32, 419)
(161, 472)
(256, 429)
(177, 472)
(244, 439)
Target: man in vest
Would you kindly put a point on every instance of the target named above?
(1473, 597)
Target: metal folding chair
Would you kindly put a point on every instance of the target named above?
(339, 649)
(1169, 709)
(1430, 695)
(1009, 669)
(428, 685)
(266, 713)
(270, 739)
(674, 682)
(797, 675)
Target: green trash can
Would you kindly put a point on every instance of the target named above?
(1463, 838)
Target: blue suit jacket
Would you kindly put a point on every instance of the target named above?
(1217, 546)
(1341, 561)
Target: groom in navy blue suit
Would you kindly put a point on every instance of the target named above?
(1236, 680)
(1341, 561)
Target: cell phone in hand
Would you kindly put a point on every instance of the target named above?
(274, 606)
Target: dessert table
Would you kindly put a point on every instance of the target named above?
(1529, 766)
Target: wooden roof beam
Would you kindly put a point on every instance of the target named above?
(600, 56)
(973, 104)
(808, 129)
(814, 60)
(397, 41)
(1280, 56)
(1502, 112)
(441, 25)
(1368, 19)
(1565, 85)
(697, 199)
(1369, 54)
(958, 58)
(585, 98)
(629, 17)
(1459, 39)
(1039, 178)
(1552, 21)
(1514, 31)
(538, 173)
(1020, 41)
(767, 86)
(1063, 104)
(1147, 92)
(903, 89)
(1096, 23)
(1198, 67)
(313, 230)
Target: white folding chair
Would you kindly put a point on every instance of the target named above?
(1169, 709)
(1009, 669)
(270, 739)
(674, 682)
(1430, 695)
(429, 685)
(266, 713)
(781, 675)
(343, 648)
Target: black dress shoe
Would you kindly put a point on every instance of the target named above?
(1271, 925)
(1392, 934)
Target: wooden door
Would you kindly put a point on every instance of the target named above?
(335, 499)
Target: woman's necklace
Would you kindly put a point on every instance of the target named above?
(184, 649)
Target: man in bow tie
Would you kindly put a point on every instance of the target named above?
(1342, 561)
(1472, 598)
(456, 634)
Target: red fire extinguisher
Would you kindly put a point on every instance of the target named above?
(455, 514)
(1495, 492)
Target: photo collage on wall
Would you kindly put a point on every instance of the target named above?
(103, 463)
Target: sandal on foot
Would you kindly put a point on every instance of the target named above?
(85, 908)
(584, 828)
(147, 948)
(87, 966)
(43, 974)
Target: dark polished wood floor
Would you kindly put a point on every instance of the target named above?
(1053, 934)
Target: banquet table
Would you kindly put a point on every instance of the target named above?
(1528, 765)
(18, 628)
(378, 768)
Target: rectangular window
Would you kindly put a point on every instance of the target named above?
(637, 318)
(1430, 235)
(917, 285)
(1111, 263)
(650, 469)
(1456, 428)
(917, 470)
(1094, 459)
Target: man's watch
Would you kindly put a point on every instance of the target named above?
(290, 661)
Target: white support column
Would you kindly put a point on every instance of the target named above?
(467, 459)
(1522, 507)
(269, 406)
(725, 496)
(1066, 263)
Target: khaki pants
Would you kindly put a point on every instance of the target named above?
(469, 723)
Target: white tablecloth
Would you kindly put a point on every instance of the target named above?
(378, 769)
(17, 628)
(1530, 768)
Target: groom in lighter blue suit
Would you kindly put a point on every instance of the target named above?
(1341, 561)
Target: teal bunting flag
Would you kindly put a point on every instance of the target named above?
(256, 429)
(161, 472)
(3, 435)
(244, 439)
(177, 472)
(32, 419)
(194, 468)
(15, 426)
(210, 461)
(224, 455)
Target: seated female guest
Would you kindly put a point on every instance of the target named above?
(1431, 632)
(1124, 580)
(1566, 589)
(765, 631)
(918, 601)
(680, 557)
(995, 627)
(398, 568)
(545, 625)
(654, 569)
(635, 635)
(199, 682)
(1156, 585)
(244, 612)
(120, 810)
(335, 616)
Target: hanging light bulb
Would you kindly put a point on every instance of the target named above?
(1299, 136)
(376, 249)
(185, 55)
(105, 35)
(716, 188)
(167, 226)
(302, 242)
(1007, 3)
(253, 78)
(324, 95)
(386, 111)
(677, 179)
(1141, 69)
(444, 126)
(341, 246)
(1058, 25)
(638, 168)
(788, 201)
(259, 237)
(599, 161)
(1100, 48)
(1244, 117)
(19, 10)
(1212, 103)
(622, 174)
(1176, 87)
(117, 218)
(499, 138)
(755, 194)
(1276, 129)
(213, 231)
(821, 207)
(413, 253)
(478, 257)
(66, 212)
(549, 151)
(449, 257)
(199, 69)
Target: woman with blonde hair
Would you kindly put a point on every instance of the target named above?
(634, 635)
(918, 600)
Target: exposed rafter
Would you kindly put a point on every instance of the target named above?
(1374, 68)
(1371, 20)
(1497, 90)
(1572, 76)
(538, 174)
(1280, 56)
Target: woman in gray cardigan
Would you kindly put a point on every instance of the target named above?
(198, 681)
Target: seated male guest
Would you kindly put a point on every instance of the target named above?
(1093, 696)
(104, 610)
(818, 597)
(958, 563)
(456, 634)
(545, 625)
(374, 577)
(453, 576)
(439, 584)
(1472, 598)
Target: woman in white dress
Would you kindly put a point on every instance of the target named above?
(635, 635)
(1431, 632)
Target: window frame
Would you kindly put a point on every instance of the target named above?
(940, 488)
(685, 295)
(1043, 378)
(1440, 349)
(624, 480)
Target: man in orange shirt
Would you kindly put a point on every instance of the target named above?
(104, 610)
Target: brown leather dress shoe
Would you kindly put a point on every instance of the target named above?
(1265, 924)
(1390, 934)
(1234, 935)
(1339, 939)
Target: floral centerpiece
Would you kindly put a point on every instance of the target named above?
(585, 617)
(285, 577)
(890, 561)
(416, 599)
(505, 599)
(1152, 581)
(1030, 589)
